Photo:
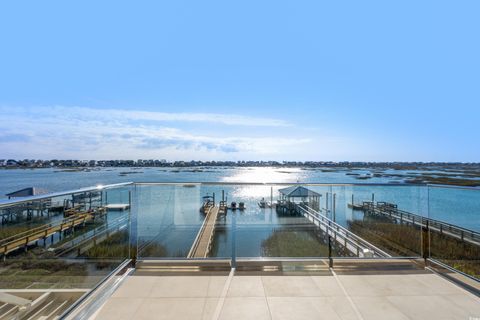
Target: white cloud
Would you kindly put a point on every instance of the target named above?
(85, 133)
(117, 115)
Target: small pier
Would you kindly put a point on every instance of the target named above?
(304, 201)
(351, 242)
(391, 210)
(12, 213)
(203, 241)
(87, 240)
(23, 239)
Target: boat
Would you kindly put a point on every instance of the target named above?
(266, 204)
(207, 204)
(263, 203)
(355, 206)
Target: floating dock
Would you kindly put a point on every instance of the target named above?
(117, 206)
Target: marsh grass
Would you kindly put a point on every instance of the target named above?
(406, 240)
(285, 243)
(42, 271)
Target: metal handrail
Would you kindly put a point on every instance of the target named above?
(44, 227)
(331, 225)
(199, 234)
(311, 184)
(59, 250)
(12, 202)
(125, 263)
(441, 225)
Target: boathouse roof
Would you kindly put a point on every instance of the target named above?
(298, 192)
(27, 192)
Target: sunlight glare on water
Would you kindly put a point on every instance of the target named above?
(262, 175)
(266, 175)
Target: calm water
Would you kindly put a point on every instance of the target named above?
(58, 180)
(169, 216)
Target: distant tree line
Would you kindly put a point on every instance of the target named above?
(32, 163)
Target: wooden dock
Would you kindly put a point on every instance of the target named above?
(203, 242)
(87, 240)
(23, 239)
(391, 210)
(351, 242)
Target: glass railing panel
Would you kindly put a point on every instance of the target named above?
(274, 223)
(71, 241)
(172, 222)
(279, 221)
(386, 220)
(112, 232)
(454, 227)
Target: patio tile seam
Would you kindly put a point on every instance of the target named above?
(221, 301)
(350, 300)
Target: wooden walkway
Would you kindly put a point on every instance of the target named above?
(350, 241)
(22, 239)
(390, 210)
(203, 242)
(92, 238)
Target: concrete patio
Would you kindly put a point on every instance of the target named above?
(355, 297)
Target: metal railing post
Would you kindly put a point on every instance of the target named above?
(133, 224)
(234, 238)
(330, 260)
(425, 242)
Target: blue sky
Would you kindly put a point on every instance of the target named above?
(239, 80)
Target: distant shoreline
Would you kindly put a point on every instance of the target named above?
(444, 174)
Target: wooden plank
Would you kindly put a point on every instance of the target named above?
(39, 233)
(201, 246)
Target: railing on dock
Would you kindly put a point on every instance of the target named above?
(353, 243)
(92, 238)
(203, 241)
(392, 211)
(43, 232)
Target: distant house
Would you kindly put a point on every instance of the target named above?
(11, 163)
(27, 192)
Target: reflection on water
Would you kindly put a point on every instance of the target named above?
(266, 174)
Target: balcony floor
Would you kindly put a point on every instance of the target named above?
(356, 297)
